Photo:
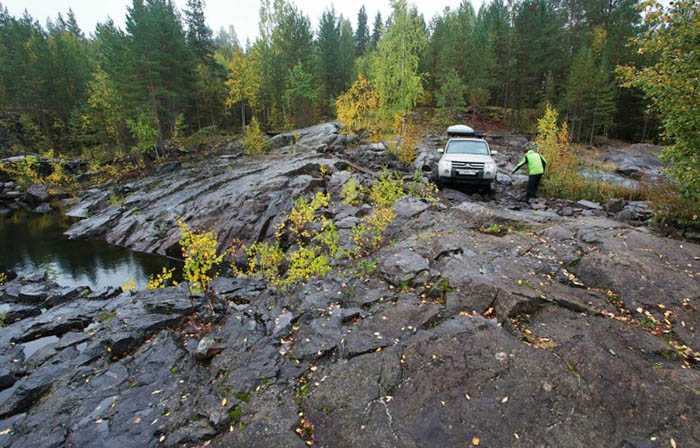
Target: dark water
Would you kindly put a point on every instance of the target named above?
(31, 242)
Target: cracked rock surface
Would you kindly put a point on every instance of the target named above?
(552, 330)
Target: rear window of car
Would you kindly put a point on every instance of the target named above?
(467, 147)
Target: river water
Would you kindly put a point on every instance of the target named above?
(31, 242)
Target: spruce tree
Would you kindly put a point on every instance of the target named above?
(72, 25)
(199, 35)
(327, 57)
(362, 33)
(377, 30)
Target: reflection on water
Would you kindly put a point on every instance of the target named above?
(31, 242)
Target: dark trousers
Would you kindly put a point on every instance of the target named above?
(533, 182)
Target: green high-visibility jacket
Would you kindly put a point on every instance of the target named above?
(535, 163)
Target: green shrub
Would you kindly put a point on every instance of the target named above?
(386, 189)
(254, 139)
(351, 193)
(199, 253)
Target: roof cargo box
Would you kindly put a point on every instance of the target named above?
(460, 130)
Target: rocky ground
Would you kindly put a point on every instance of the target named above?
(481, 322)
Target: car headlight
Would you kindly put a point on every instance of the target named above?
(490, 169)
(445, 167)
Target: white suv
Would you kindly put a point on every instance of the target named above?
(467, 159)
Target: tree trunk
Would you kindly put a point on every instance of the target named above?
(154, 105)
(595, 110)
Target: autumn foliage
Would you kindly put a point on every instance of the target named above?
(357, 107)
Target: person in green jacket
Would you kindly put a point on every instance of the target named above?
(536, 165)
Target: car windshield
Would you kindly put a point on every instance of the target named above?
(467, 147)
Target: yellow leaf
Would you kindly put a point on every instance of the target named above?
(475, 441)
(223, 402)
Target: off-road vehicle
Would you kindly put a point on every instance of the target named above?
(467, 159)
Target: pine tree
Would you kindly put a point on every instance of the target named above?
(72, 25)
(604, 106)
(199, 35)
(158, 74)
(362, 33)
(347, 54)
(580, 85)
(450, 95)
(377, 30)
(301, 95)
(327, 57)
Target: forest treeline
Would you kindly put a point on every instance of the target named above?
(166, 73)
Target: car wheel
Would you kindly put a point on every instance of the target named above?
(436, 179)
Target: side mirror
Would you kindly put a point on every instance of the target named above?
(441, 150)
(494, 152)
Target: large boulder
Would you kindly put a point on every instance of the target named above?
(37, 193)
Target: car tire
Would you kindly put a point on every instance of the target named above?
(436, 179)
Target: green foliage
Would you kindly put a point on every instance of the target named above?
(386, 189)
(404, 149)
(590, 95)
(199, 254)
(305, 263)
(328, 238)
(242, 82)
(81, 93)
(267, 260)
(144, 130)
(106, 110)
(422, 190)
(352, 192)
(362, 33)
(366, 267)
(254, 139)
(395, 69)
(3, 319)
(563, 179)
(24, 172)
(356, 108)
(304, 213)
(107, 316)
(264, 261)
(301, 95)
(450, 95)
(493, 229)
(369, 234)
(671, 40)
(161, 280)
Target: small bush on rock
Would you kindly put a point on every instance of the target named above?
(161, 280)
(404, 149)
(352, 192)
(254, 139)
(386, 189)
(199, 253)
